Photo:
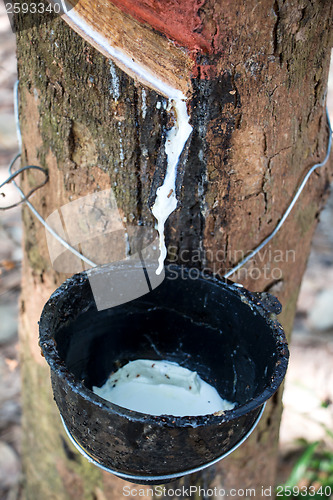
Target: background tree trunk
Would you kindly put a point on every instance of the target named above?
(258, 117)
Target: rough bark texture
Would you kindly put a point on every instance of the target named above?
(258, 115)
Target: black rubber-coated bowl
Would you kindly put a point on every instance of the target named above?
(222, 331)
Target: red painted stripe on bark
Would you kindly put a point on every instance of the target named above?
(177, 19)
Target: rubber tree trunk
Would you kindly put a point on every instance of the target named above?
(258, 117)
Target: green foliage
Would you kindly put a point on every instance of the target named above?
(311, 476)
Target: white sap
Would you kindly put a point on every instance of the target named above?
(166, 201)
(161, 388)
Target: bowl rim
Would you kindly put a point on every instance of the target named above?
(59, 369)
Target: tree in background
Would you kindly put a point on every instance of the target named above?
(256, 77)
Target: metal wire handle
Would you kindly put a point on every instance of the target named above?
(12, 176)
(290, 207)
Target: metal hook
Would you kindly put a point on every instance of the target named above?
(13, 175)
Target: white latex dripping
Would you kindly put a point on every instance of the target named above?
(166, 200)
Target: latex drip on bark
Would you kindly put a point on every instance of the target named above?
(166, 200)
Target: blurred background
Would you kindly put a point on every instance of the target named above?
(306, 436)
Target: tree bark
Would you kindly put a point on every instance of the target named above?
(258, 117)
